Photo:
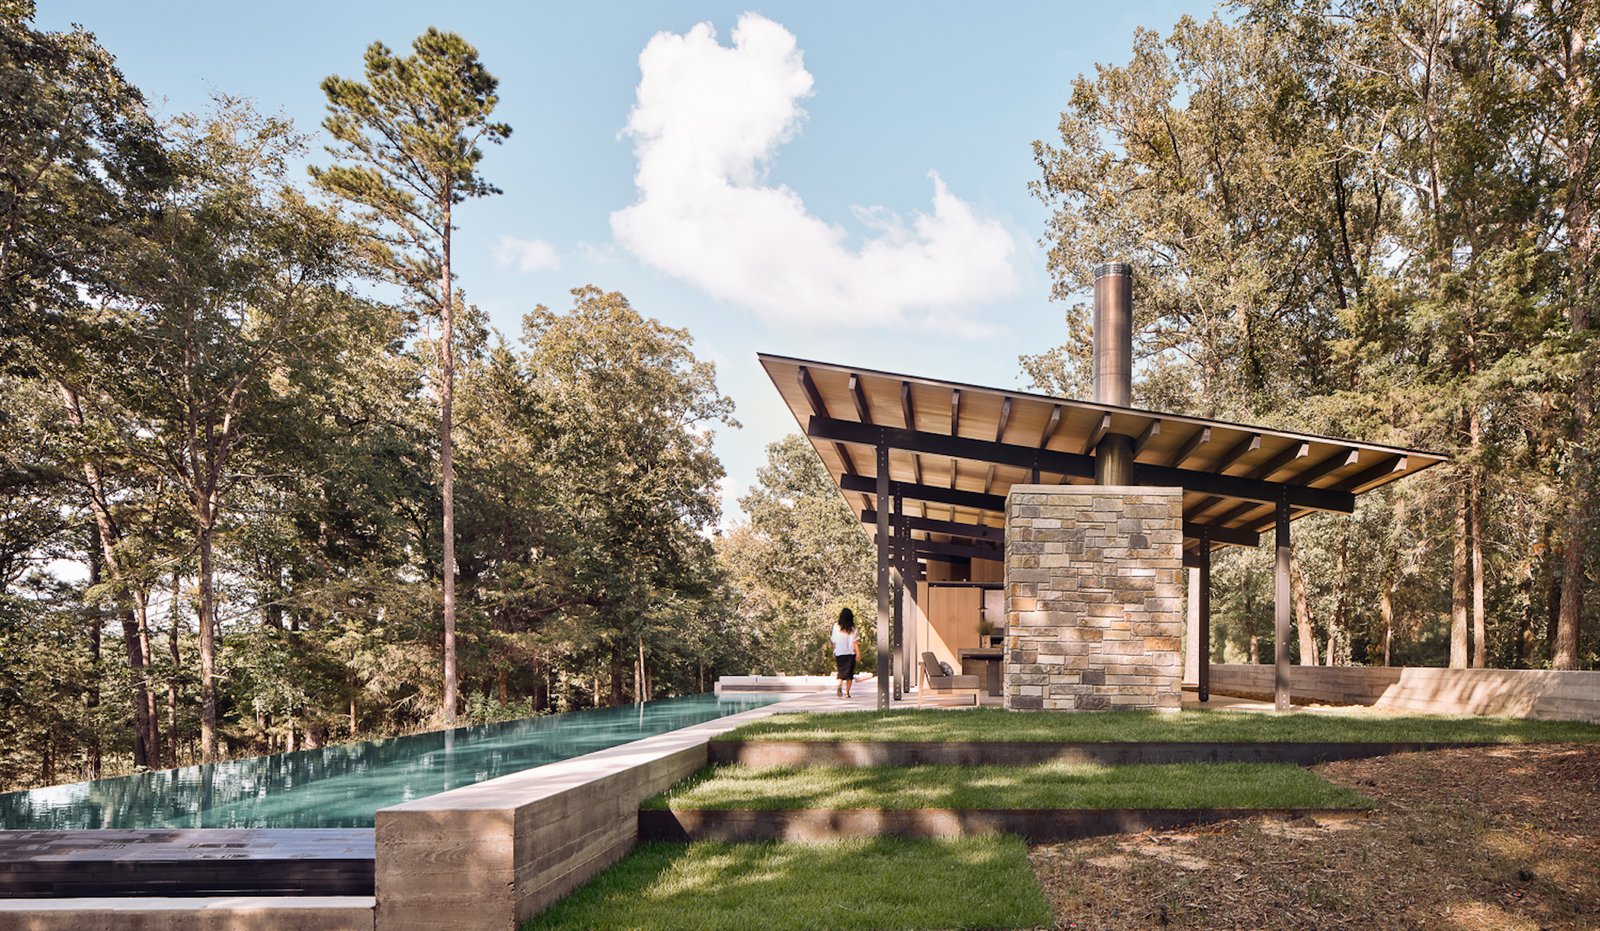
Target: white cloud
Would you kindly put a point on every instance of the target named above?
(707, 123)
(526, 255)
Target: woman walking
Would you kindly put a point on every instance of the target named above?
(846, 652)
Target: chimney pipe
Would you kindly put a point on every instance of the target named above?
(1113, 366)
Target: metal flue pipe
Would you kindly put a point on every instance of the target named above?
(1113, 366)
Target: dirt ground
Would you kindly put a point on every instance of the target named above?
(1498, 839)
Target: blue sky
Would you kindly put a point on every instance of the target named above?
(813, 235)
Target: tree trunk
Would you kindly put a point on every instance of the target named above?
(1579, 209)
(616, 674)
(446, 466)
(91, 696)
(108, 536)
(172, 675)
(208, 646)
(152, 717)
(1302, 613)
(641, 687)
(1338, 634)
(1386, 609)
(1460, 586)
(1480, 636)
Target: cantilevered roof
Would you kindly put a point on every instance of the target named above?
(956, 449)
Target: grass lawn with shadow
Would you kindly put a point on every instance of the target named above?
(889, 883)
(1050, 785)
(997, 724)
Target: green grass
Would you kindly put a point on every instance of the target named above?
(975, 882)
(991, 724)
(1052, 785)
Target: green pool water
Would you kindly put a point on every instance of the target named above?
(341, 787)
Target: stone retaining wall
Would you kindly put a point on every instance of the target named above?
(1516, 693)
(1094, 597)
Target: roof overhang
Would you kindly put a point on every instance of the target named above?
(956, 449)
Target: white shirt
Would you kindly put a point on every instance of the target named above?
(844, 644)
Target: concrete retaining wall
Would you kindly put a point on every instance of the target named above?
(1516, 693)
(492, 855)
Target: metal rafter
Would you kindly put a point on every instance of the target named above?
(1197, 439)
(1097, 434)
(820, 409)
(863, 411)
(1238, 451)
(1150, 433)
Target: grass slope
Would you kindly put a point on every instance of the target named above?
(1182, 785)
(995, 724)
(977, 882)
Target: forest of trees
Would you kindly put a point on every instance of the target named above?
(222, 490)
(268, 479)
(1376, 219)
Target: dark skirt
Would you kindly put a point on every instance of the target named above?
(847, 665)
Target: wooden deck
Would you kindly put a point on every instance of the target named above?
(213, 861)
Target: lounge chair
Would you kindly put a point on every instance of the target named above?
(939, 685)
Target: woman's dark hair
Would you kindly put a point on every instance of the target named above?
(847, 620)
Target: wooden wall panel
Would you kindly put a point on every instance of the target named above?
(949, 621)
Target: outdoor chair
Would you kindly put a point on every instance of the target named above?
(942, 685)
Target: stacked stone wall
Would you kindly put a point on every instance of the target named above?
(1094, 597)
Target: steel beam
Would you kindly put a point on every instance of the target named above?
(1075, 465)
(952, 527)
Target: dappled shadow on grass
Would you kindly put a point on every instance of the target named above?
(1050, 785)
(993, 724)
(972, 882)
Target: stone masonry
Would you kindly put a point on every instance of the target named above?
(1094, 597)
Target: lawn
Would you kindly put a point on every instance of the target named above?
(1051, 785)
(975, 882)
(996, 724)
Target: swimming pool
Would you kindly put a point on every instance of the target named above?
(343, 786)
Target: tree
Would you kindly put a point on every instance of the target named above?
(231, 303)
(799, 557)
(1374, 219)
(1556, 44)
(628, 412)
(78, 155)
(410, 138)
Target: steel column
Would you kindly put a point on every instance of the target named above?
(1280, 603)
(914, 615)
(902, 547)
(884, 543)
(1204, 668)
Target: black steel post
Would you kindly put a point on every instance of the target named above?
(883, 670)
(1204, 612)
(1280, 646)
(902, 546)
